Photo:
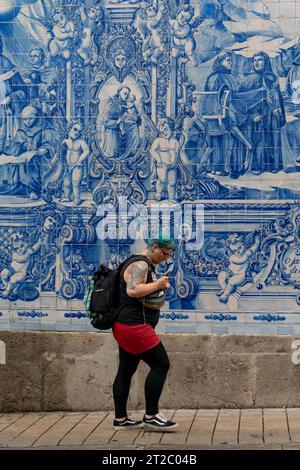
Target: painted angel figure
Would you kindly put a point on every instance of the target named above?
(20, 261)
(148, 22)
(92, 20)
(165, 152)
(183, 28)
(63, 32)
(77, 153)
(239, 259)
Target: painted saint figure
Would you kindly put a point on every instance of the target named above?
(121, 123)
(13, 97)
(38, 75)
(31, 151)
(222, 142)
(266, 117)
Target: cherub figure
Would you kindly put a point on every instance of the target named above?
(21, 257)
(165, 151)
(91, 20)
(77, 153)
(239, 259)
(63, 32)
(150, 29)
(183, 29)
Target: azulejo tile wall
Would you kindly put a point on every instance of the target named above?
(157, 104)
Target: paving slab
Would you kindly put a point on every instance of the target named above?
(9, 418)
(82, 430)
(8, 434)
(202, 429)
(103, 433)
(56, 433)
(227, 427)
(251, 427)
(184, 419)
(28, 437)
(293, 415)
(275, 426)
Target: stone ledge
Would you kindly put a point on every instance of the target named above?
(48, 371)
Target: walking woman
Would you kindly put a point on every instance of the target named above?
(141, 297)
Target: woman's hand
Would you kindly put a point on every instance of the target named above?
(163, 282)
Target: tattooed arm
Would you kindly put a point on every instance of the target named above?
(135, 277)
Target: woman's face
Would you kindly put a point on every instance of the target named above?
(259, 63)
(160, 255)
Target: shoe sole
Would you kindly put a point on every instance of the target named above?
(153, 428)
(134, 426)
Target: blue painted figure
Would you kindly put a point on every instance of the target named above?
(148, 23)
(63, 34)
(30, 156)
(293, 78)
(183, 44)
(92, 19)
(236, 273)
(121, 125)
(20, 261)
(38, 76)
(223, 141)
(77, 153)
(13, 96)
(165, 151)
(265, 118)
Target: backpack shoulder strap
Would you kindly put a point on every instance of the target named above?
(133, 259)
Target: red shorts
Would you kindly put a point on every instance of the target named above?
(135, 339)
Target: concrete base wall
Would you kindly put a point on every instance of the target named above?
(75, 371)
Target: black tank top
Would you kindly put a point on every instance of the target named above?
(131, 309)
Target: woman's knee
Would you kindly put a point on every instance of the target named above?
(167, 364)
(164, 365)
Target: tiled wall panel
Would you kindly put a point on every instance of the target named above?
(188, 107)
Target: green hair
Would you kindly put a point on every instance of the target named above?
(163, 240)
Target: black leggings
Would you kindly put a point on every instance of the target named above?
(158, 361)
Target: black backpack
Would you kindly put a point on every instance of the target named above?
(102, 297)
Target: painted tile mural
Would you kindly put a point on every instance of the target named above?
(188, 108)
